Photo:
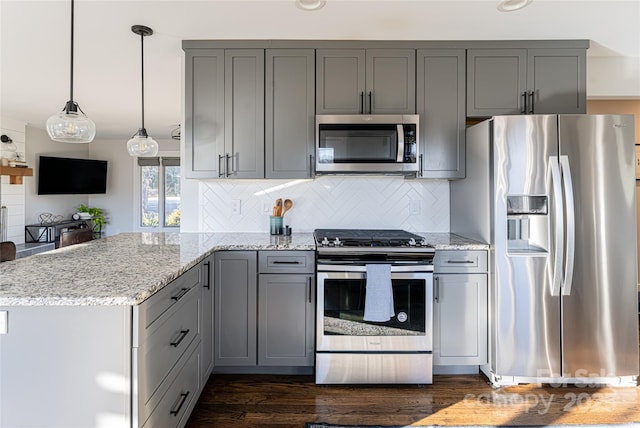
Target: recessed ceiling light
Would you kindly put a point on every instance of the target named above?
(511, 5)
(310, 4)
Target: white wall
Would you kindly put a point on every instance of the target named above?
(12, 196)
(613, 77)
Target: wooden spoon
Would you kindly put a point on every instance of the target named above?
(278, 207)
(288, 203)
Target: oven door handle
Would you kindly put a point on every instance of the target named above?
(359, 268)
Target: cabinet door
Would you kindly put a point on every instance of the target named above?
(235, 291)
(340, 81)
(244, 113)
(441, 106)
(557, 80)
(496, 81)
(207, 319)
(390, 81)
(289, 112)
(460, 319)
(204, 113)
(286, 320)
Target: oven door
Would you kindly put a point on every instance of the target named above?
(340, 325)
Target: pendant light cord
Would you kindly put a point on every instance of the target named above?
(142, 68)
(71, 82)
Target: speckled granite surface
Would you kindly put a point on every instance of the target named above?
(450, 241)
(124, 269)
(128, 268)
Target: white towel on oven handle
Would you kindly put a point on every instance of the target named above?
(378, 302)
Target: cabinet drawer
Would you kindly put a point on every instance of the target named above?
(165, 342)
(457, 261)
(156, 305)
(175, 405)
(286, 261)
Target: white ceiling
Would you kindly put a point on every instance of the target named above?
(34, 44)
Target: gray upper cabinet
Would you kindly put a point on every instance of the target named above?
(204, 113)
(441, 106)
(525, 81)
(224, 113)
(289, 113)
(365, 81)
(235, 293)
(244, 118)
(558, 80)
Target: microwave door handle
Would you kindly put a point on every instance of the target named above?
(400, 156)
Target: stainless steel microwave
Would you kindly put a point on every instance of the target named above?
(374, 144)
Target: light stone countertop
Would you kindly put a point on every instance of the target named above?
(124, 269)
(128, 268)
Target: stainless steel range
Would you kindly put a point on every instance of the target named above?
(374, 314)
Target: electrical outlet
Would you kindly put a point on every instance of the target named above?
(236, 206)
(414, 206)
(267, 208)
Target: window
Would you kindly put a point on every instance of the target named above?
(159, 192)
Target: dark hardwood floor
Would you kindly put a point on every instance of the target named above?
(290, 401)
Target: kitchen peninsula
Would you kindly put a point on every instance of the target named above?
(82, 327)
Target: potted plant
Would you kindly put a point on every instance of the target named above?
(97, 216)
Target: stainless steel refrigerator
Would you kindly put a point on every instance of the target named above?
(554, 195)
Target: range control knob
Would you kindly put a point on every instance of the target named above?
(337, 242)
(325, 242)
(412, 242)
(424, 243)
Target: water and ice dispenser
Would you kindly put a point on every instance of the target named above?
(527, 224)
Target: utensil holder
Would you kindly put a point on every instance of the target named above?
(275, 225)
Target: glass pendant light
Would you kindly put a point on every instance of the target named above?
(141, 144)
(71, 125)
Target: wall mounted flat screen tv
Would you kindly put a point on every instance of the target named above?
(68, 176)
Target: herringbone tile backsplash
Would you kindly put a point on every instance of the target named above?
(326, 202)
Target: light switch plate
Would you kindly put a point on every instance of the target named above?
(3, 322)
(236, 206)
(414, 206)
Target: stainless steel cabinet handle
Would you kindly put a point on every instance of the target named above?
(532, 96)
(436, 289)
(207, 278)
(460, 262)
(183, 399)
(220, 169)
(311, 169)
(181, 294)
(309, 287)
(370, 97)
(226, 165)
(361, 102)
(420, 171)
(524, 103)
(183, 334)
(285, 262)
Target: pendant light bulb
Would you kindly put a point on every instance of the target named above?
(141, 144)
(71, 125)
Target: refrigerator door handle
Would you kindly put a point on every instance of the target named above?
(570, 226)
(558, 219)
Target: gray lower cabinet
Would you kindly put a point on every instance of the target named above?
(460, 308)
(286, 302)
(441, 105)
(235, 301)
(365, 81)
(264, 308)
(224, 113)
(116, 366)
(289, 112)
(525, 81)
